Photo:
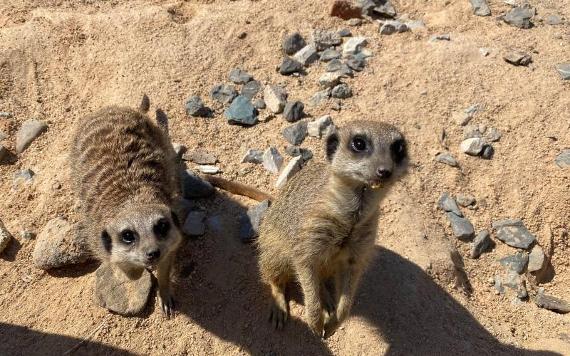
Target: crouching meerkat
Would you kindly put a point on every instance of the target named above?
(126, 177)
(322, 226)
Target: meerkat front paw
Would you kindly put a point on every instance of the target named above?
(278, 315)
(167, 304)
(331, 324)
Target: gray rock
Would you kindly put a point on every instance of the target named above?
(272, 160)
(250, 89)
(318, 127)
(382, 8)
(515, 282)
(337, 66)
(290, 66)
(488, 152)
(354, 22)
(447, 158)
(341, 91)
(442, 37)
(513, 233)
(27, 235)
(330, 79)
(307, 55)
(119, 293)
(24, 176)
(249, 222)
(241, 112)
(58, 245)
(28, 132)
(4, 154)
(329, 55)
(208, 169)
(519, 17)
(356, 62)
(253, 156)
(5, 237)
(295, 134)
(295, 151)
(554, 20)
(319, 97)
(201, 156)
(563, 159)
(294, 110)
(472, 146)
(293, 43)
(325, 39)
(238, 76)
(462, 228)
(193, 186)
(354, 45)
(195, 223)
(480, 7)
(480, 244)
(195, 107)
(552, 303)
(259, 104)
(564, 70)
(275, 98)
(345, 32)
(471, 131)
(289, 171)
(465, 200)
(447, 203)
(391, 27)
(518, 58)
(517, 262)
(536, 259)
(492, 135)
(223, 93)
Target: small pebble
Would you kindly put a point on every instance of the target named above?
(536, 259)
(447, 203)
(554, 20)
(208, 169)
(444, 37)
(320, 126)
(201, 156)
(354, 45)
(563, 159)
(293, 111)
(518, 58)
(354, 22)
(465, 200)
(462, 227)
(307, 55)
(241, 112)
(319, 97)
(356, 62)
(272, 160)
(289, 66)
(28, 132)
(391, 27)
(472, 146)
(250, 89)
(253, 156)
(341, 91)
(492, 135)
(330, 79)
(488, 152)
(564, 70)
(325, 39)
(295, 151)
(24, 176)
(5, 237)
(293, 43)
(223, 93)
(480, 244)
(519, 17)
(195, 107)
(513, 233)
(345, 32)
(447, 158)
(238, 76)
(517, 262)
(552, 303)
(329, 55)
(259, 104)
(480, 7)
(275, 98)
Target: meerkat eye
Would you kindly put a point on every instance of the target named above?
(128, 236)
(161, 228)
(358, 144)
(398, 150)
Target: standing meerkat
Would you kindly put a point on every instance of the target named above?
(322, 227)
(125, 174)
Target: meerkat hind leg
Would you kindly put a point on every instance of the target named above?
(279, 312)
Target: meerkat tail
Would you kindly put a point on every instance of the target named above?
(145, 104)
(238, 188)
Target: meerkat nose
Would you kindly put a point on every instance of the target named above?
(153, 255)
(383, 173)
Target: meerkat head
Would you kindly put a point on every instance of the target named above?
(367, 152)
(141, 235)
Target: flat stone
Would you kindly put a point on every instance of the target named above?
(472, 146)
(295, 134)
(465, 200)
(289, 66)
(345, 10)
(492, 135)
(480, 7)
(249, 222)
(318, 127)
(293, 43)
(391, 27)
(513, 233)
(480, 244)
(195, 107)
(356, 62)
(320, 96)
(517, 262)
(330, 79)
(259, 104)
(250, 89)
(329, 55)
(194, 225)
(345, 32)
(440, 37)
(354, 45)
(488, 152)
(58, 245)
(462, 228)
(223, 93)
(294, 110)
(238, 76)
(201, 156)
(554, 20)
(208, 169)
(341, 91)
(307, 55)
(518, 58)
(289, 171)
(552, 303)
(383, 8)
(536, 259)
(325, 39)
(24, 176)
(194, 187)
(519, 17)
(275, 98)
(295, 151)
(115, 291)
(241, 112)
(563, 159)
(564, 70)
(471, 131)
(28, 132)
(448, 204)
(447, 158)
(5, 237)
(515, 282)
(253, 156)
(337, 66)
(354, 22)
(272, 160)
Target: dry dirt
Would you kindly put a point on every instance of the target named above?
(61, 59)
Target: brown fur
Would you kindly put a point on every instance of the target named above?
(321, 228)
(126, 177)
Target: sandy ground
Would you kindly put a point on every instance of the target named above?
(60, 60)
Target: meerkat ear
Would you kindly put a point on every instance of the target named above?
(145, 104)
(106, 240)
(162, 120)
(332, 145)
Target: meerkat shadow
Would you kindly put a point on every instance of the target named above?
(218, 287)
(417, 317)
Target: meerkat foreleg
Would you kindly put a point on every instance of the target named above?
(280, 308)
(310, 284)
(164, 290)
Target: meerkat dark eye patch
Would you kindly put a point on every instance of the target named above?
(161, 228)
(128, 236)
(106, 241)
(332, 145)
(398, 151)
